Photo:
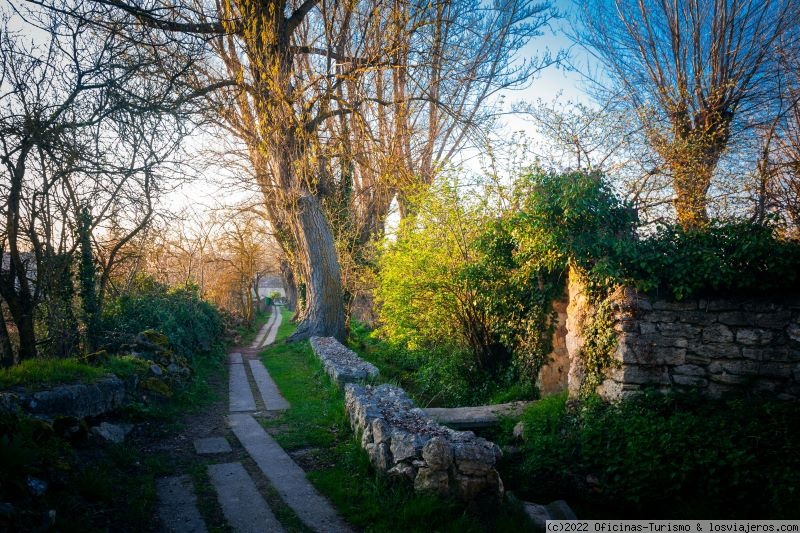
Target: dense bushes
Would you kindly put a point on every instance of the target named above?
(470, 279)
(676, 456)
(192, 325)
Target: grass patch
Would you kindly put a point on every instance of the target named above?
(317, 422)
(676, 456)
(438, 377)
(248, 333)
(38, 373)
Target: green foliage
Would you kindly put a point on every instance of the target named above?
(600, 342)
(87, 279)
(722, 258)
(40, 372)
(664, 456)
(317, 423)
(192, 325)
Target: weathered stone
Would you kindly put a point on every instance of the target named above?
(777, 320)
(793, 331)
(480, 487)
(381, 431)
(405, 445)
(717, 333)
(415, 440)
(741, 367)
(112, 433)
(646, 375)
(432, 480)
(367, 436)
(438, 453)
(80, 400)
(689, 381)
(678, 329)
(647, 328)
(663, 305)
(731, 379)
(37, 487)
(519, 427)
(753, 337)
(341, 363)
(689, 370)
(538, 515)
(737, 318)
(715, 351)
(721, 305)
(559, 510)
(775, 369)
(402, 470)
(662, 317)
(379, 456)
(698, 318)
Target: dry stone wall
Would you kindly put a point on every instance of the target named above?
(719, 346)
(403, 442)
(341, 363)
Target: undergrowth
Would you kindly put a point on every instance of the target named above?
(317, 424)
(676, 456)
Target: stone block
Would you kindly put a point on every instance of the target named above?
(678, 329)
(793, 331)
(438, 453)
(715, 351)
(379, 456)
(646, 375)
(405, 445)
(647, 327)
(776, 353)
(430, 480)
(775, 320)
(720, 390)
(737, 318)
(663, 305)
(741, 367)
(753, 337)
(689, 370)
(728, 379)
(381, 431)
(721, 305)
(689, 381)
(699, 318)
(776, 370)
(717, 333)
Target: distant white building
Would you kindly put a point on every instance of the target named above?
(269, 285)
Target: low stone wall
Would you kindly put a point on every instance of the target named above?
(341, 363)
(78, 400)
(402, 441)
(720, 346)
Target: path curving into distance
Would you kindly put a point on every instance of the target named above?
(252, 393)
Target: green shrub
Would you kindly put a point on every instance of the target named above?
(665, 456)
(192, 325)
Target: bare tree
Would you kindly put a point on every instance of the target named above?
(81, 130)
(697, 73)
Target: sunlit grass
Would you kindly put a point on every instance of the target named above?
(317, 422)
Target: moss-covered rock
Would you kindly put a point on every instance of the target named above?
(151, 336)
(156, 386)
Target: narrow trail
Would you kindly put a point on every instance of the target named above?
(244, 500)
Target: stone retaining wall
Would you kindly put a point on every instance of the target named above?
(78, 400)
(402, 441)
(719, 346)
(341, 363)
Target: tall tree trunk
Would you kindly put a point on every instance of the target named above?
(289, 285)
(6, 350)
(324, 315)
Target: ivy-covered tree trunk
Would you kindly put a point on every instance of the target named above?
(6, 350)
(88, 281)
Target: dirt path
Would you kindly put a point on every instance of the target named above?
(230, 474)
